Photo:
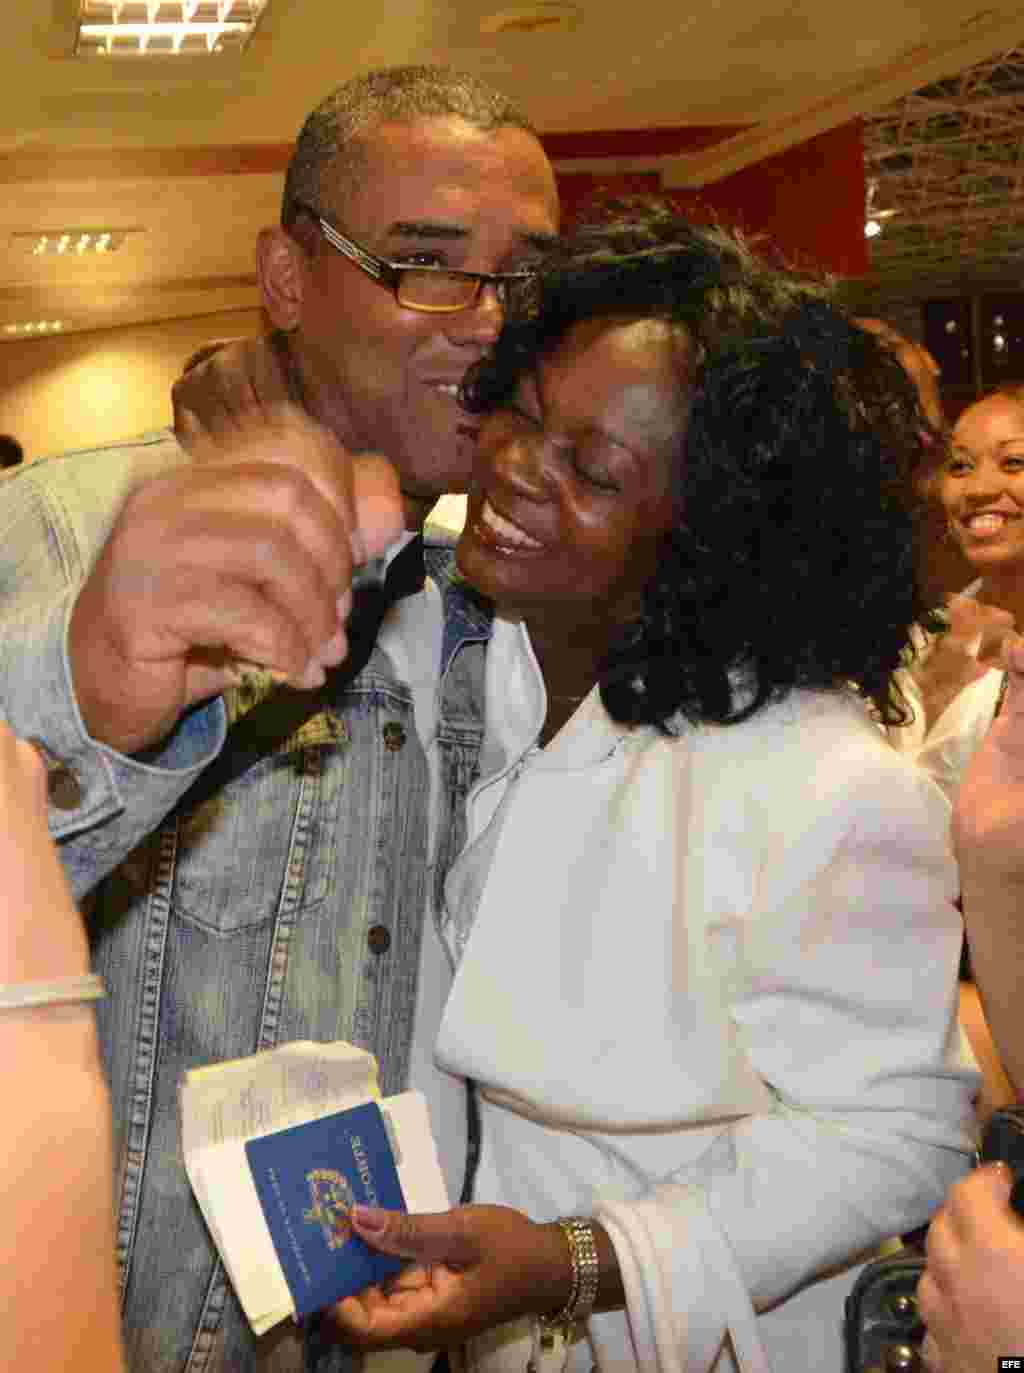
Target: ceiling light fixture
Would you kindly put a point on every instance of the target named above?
(70, 242)
(37, 326)
(874, 213)
(165, 28)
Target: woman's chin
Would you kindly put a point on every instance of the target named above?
(991, 557)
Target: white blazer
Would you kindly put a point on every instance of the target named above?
(708, 989)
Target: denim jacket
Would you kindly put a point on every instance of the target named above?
(287, 906)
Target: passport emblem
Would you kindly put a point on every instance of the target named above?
(332, 1198)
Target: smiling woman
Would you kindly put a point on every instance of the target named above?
(701, 926)
(573, 491)
(981, 489)
(956, 684)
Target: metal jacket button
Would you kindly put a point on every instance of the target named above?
(394, 736)
(379, 939)
(63, 788)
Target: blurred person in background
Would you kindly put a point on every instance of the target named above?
(11, 452)
(954, 680)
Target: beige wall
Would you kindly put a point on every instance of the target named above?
(76, 390)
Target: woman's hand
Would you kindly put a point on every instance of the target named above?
(970, 1295)
(969, 648)
(474, 1267)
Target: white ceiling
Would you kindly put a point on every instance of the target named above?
(191, 151)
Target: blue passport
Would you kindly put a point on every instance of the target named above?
(307, 1179)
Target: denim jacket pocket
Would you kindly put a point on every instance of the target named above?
(238, 850)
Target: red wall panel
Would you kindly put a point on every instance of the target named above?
(808, 202)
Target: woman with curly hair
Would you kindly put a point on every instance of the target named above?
(702, 923)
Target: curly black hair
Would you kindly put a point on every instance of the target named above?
(790, 562)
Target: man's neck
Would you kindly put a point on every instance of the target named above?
(320, 401)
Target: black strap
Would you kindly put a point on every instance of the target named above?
(473, 1141)
(286, 709)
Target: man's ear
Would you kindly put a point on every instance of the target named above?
(281, 270)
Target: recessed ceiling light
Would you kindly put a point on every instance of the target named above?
(35, 326)
(70, 242)
(165, 28)
(548, 16)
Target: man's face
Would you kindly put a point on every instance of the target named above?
(435, 192)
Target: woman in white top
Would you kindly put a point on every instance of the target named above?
(955, 685)
(703, 922)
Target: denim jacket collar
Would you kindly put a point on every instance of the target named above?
(468, 617)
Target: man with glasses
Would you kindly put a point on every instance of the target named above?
(177, 638)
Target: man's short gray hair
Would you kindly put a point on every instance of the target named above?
(333, 136)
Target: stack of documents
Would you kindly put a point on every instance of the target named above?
(278, 1147)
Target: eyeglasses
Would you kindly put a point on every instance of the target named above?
(435, 290)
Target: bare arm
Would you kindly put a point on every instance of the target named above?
(57, 1275)
(988, 834)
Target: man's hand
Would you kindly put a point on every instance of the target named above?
(246, 554)
(241, 378)
(970, 1295)
(474, 1268)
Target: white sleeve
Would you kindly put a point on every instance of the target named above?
(954, 738)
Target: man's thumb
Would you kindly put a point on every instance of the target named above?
(380, 518)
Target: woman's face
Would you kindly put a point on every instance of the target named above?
(572, 488)
(981, 486)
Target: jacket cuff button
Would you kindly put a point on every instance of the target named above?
(63, 789)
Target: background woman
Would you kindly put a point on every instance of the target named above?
(702, 922)
(955, 685)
